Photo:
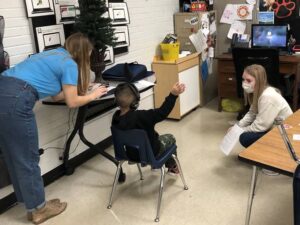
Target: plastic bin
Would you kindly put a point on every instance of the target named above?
(170, 52)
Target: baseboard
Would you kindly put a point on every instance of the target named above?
(10, 200)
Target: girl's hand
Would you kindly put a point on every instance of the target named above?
(99, 91)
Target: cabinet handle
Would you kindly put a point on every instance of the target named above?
(230, 78)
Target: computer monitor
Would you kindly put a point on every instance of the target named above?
(269, 36)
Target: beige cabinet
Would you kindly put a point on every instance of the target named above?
(184, 70)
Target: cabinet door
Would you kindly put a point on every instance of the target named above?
(191, 97)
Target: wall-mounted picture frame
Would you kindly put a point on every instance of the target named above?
(50, 37)
(39, 8)
(122, 35)
(109, 56)
(118, 12)
(66, 11)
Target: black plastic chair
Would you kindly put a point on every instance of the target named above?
(267, 57)
(127, 142)
(296, 190)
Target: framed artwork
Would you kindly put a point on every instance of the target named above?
(50, 37)
(122, 35)
(39, 8)
(66, 11)
(109, 56)
(118, 12)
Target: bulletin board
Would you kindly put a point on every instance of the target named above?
(65, 15)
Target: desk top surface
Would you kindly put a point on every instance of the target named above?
(270, 152)
(282, 58)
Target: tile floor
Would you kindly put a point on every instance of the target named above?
(218, 185)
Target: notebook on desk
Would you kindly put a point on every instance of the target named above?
(288, 143)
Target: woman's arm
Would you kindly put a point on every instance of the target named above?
(59, 97)
(73, 100)
(247, 119)
(267, 112)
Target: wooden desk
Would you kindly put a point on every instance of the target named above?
(269, 152)
(184, 70)
(289, 64)
(86, 113)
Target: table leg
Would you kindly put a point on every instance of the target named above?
(251, 194)
(295, 89)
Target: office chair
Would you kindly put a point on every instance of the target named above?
(267, 57)
(127, 142)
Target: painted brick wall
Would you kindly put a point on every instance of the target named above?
(150, 21)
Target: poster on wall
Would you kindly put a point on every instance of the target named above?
(122, 36)
(66, 11)
(265, 17)
(243, 11)
(286, 9)
(39, 8)
(118, 12)
(109, 56)
(50, 37)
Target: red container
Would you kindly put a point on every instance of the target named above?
(198, 6)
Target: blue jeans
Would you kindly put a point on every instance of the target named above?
(248, 138)
(19, 140)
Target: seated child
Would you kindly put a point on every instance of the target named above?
(128, 117)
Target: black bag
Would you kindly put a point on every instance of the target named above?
(127, 72)
(4, 57)
(296, 189)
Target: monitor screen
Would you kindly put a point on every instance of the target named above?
(269, 36)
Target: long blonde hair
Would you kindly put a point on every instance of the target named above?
(79, 46)
(261, 83)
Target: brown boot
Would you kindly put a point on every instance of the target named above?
(50, 210)
(55, 201)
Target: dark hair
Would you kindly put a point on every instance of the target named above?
(127, 95)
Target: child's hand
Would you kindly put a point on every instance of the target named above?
(178, 88)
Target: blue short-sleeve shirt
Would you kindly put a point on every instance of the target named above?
(47, 71)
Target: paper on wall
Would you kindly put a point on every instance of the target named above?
(251, 2)
(199, 41)
(205, 24)
(231, 139)
(243, 11)
(213, 27)
(228, 14)
(236, 27)
(211, 52)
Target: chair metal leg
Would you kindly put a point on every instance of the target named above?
(119, 167)
(140, 171)
(251, 194)
(161, 189)
(180, 172)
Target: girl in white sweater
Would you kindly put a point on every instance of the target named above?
(266, 103)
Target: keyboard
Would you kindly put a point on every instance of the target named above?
(283, 52)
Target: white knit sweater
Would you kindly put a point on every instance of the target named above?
(270, 105)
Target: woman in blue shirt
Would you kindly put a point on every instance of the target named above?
(62, 73)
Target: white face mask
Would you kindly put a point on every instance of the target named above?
(247, 87)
